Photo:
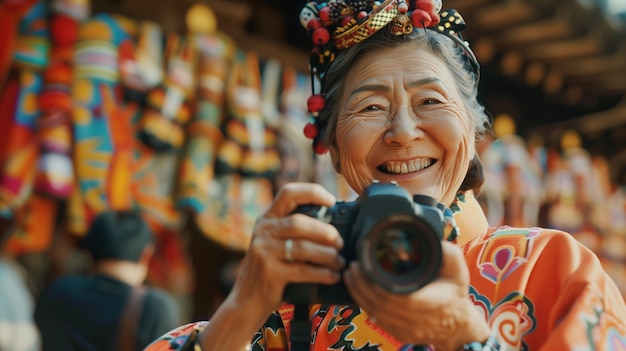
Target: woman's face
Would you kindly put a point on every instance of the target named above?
(402, 119)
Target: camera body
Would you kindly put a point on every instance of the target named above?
(395, 236)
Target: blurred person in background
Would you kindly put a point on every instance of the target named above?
(113, 309)
(18, 331)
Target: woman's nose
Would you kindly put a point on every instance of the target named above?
(403, 129)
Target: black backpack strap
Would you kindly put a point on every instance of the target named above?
(127, 329)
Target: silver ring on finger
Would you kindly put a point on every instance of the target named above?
(289, 250)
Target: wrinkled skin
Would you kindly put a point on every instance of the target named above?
(401, 106)
(403, 113)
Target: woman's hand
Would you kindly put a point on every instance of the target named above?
(439, 314)
(266, 269)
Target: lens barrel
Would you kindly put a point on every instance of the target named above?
(401, 253)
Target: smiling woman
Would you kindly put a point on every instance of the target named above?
(398, 107)
(389, 90)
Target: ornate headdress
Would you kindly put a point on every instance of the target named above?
(334, 25)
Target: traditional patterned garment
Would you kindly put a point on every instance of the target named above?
(34, 214)
(245, 160)
(539, 289)
(169, 105)
(55, 171)
(204, 134)
(102, 129)
(154, 173)
(296, 151)
(30, 57)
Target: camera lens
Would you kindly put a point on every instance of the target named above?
(397, 252)
(401, 253)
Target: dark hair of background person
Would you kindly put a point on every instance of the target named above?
(119, 235)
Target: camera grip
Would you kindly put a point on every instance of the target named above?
(309, 210)
(300, 293)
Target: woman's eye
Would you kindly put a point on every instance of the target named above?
(431, 102)
(371, 108)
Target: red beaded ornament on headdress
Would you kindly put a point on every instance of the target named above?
(334, 25)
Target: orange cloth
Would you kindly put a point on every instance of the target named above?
(539, 289)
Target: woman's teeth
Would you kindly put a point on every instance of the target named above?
(398, 167)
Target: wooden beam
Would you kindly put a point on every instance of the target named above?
(612, 62)
(535, 32)
(614, 86)
(467, 7)
(605, 78)
(604, 120)
(503, 14)
(591, 123)
(586, 46)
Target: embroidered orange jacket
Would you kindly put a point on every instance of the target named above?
(539, 289)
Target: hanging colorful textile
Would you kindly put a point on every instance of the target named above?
(33, 214)
(55, 172)
(249, 146)
(155, 176)
(246, 160)
(169, 105)
(11, 13)
(215, 53)
(296, 153)
(102, 128)
(141, 64)
(29, 59)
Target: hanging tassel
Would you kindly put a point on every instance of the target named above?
(154, 172)
(169, 106)
(215, 52)
(250, 144)
(55, 172)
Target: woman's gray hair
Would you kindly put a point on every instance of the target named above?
(334, 80)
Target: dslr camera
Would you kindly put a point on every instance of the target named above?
(395, 236)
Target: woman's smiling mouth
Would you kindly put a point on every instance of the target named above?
(403, 167)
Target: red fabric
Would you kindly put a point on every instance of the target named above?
(8, 104)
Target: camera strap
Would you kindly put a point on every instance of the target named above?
(301, 328)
